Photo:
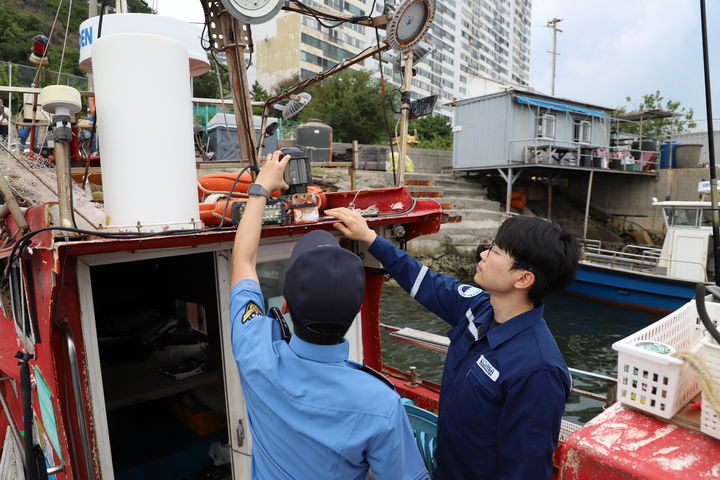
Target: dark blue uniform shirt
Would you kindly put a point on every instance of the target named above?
(503, 391)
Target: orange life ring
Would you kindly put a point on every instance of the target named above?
(518, 200)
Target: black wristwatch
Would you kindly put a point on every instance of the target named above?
(258, 190)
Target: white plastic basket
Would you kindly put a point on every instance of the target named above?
(709, 418)
(658, 383)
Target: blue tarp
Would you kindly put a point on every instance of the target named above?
(563, 107)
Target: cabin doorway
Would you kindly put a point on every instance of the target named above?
(160, 355)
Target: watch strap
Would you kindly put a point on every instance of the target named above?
(258, 190)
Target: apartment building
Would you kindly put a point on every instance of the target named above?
(471, 38)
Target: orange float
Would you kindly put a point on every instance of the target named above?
(518, 200)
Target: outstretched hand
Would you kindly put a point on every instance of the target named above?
(271, 173)
(352, 225)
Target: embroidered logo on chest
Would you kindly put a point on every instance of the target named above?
(487, 367)
(468, 291)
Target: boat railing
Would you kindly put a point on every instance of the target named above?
(610, 383)
(645, 262)
(440, 343)
(640, 258)
(82, 420)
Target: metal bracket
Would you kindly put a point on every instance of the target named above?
(223, 28)
(240, 431)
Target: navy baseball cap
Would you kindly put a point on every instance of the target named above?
(324, 282)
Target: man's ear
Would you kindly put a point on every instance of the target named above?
(525, 280)
(284, 307)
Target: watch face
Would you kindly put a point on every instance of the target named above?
(411, 21)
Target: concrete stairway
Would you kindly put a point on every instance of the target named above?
(473, 218)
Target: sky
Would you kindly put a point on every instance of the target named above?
(608, 49)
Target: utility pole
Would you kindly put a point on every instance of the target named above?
(553, 24)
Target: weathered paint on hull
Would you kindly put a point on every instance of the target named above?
(631, 289)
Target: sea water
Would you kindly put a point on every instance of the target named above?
(584, 329)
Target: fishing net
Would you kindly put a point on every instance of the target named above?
(33, 182)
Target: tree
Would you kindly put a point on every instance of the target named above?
(433, 132)
(258, 93)
(351, 104)
(659, 127)
(206, 85)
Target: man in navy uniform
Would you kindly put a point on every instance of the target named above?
(505, 382)
(313, 413)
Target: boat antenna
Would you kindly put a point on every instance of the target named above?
(711, 146)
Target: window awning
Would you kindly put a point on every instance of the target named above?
(560, 106)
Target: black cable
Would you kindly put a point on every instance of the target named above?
(700, 292)
(26, 390)
(232, 189)
(316, 15)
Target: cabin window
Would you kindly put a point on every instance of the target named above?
(682, 217)
(545, 126)
(272, 278)
(582, 131)
(706, 218)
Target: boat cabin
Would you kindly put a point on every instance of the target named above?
(687, 249)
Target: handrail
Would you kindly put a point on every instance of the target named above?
(13, 427)
(611, 383)
(79, 410)
(440, 343)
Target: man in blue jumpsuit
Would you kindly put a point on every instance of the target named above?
(314, 415)
(505, 382)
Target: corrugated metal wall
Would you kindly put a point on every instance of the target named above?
(482, 140)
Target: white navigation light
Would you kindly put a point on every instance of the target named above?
(409, 23)
(253, 11)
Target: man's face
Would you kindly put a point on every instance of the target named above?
(494, 271)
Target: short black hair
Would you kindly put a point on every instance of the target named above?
(545, 248)
(321, 333)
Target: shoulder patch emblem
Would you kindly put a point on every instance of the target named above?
(468, 291)
(251, 311)
(487, 367)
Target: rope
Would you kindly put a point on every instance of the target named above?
(62, 56)
(704, 376)
(47, 48)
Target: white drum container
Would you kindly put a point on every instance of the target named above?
(144, 104)
(183, 32)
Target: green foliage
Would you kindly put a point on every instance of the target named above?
(258, 93)
(659, 127)
(351, 104)
(206, 85)
(139, 6)
(433, 132)
(21, 20)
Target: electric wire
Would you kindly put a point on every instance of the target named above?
(316, 14)
(232, 190)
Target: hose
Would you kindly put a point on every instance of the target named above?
(700, 292)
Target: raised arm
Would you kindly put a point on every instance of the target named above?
(247, 237)
(442, 294)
